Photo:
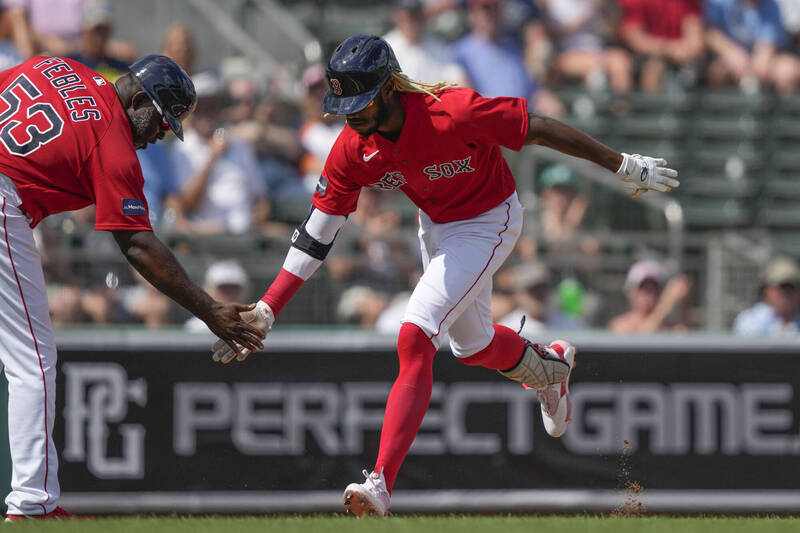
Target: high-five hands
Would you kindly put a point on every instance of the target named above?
(640, 173)
(261, 317)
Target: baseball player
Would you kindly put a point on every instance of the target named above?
(440, 145)
(68, 140)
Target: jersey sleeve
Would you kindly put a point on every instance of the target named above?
(489, 121)
(116, 180)
(336, 194)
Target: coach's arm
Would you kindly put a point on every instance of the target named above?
(638, 173)
(153, 260)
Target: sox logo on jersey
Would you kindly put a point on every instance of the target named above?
(449, 169)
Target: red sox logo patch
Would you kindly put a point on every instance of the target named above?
(336, 87)
(389, 181)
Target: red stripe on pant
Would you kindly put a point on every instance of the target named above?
(36, 346)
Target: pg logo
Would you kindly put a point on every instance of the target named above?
(97, 398)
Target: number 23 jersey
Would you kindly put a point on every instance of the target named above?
(447, 159)
(66, 143)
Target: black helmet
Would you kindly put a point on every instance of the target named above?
(168, 86)
(356, 72)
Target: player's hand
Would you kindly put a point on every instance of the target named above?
(640, 173)
(258, 315)
(227, 323)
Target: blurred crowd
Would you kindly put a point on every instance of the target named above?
(251, 159)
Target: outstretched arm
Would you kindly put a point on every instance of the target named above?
(310, 245)
(153, 260)
(638, 173)
(546, 131)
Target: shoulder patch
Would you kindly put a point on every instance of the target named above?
(322, 186)
(133, 207)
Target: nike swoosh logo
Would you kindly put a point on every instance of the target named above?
(370, 156)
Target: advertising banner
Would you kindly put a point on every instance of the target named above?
(659, 416)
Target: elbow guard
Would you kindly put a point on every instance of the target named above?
(308, 244)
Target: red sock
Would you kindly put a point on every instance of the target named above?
(408, 400)
(503, 353)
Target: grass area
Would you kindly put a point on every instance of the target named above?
(413, 524)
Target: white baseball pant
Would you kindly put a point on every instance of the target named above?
(459, 259)
(28, 353)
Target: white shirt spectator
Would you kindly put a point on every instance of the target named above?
(234, 185)
(427, 60)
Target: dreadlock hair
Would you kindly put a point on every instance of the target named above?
(404, 84)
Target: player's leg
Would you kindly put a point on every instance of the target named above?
(544, 369)
(405, 408)
(28, 352)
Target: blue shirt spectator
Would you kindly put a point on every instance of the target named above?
(159, 179)
(748, 22)
(761, 319)
(495, 68)
(779, 311)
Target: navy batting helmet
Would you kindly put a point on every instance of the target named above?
(356, 72)
(168, 86)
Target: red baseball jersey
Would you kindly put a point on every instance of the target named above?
(661, 18)
(67, 143)
(447, 159)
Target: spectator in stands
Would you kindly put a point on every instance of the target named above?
(9, 53)
(562, 208)
(494, 63)
(227, 282)
(750, 45)
(374, 251)
(178, 44)
(778, 312)
(220, 188)
(533, 291)
(790, 18)
(664, 35)
(92, 47)
(423, 57)
(318, 132)
(160, 186)
(250, 118)
(144, 303)
(362, 305)
(574, 31)
(653, 299)
(53, 27)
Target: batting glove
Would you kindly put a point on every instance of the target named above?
(261, 317)
(640, 173)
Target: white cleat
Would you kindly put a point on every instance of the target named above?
(555, 401)
(369, 498)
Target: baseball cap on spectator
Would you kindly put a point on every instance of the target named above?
(558, 174)
(313, 75)
(226, 273)
(782, 271)
(97, 13)
(206, 85)
(641, 271)
(532, 275)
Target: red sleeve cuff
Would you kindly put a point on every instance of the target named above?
(281, 290)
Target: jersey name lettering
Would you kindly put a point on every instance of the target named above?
(448, 170)
(65, 80)
(389, 181)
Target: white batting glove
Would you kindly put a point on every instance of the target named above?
(640, 173)
(261, 317)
